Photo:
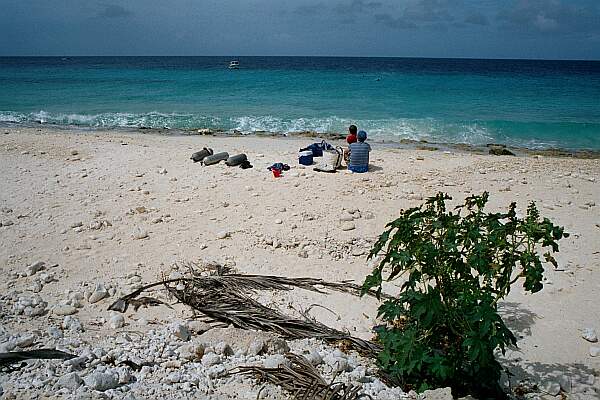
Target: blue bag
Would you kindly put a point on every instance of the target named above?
(317, 148)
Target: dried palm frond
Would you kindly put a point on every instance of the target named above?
(302, 380)
(228, 299)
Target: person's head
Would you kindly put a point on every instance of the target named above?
(352, 129)
(361, 136)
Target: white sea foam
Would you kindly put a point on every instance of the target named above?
(429, 129)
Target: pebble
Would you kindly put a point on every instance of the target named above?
(101, 381)
(278, 221)
(25, 341)
(64, 310)
(223, 235)
(275, 361)
(594, 351)
(210, 359)
(140, 234)
(72, 324)
(191, 352)
(224, 349)
(347, 218)
(550, 386)
(314, 357)
(590, 335)
(74, 152)
(99, 293)
(116, 321)
(337, 363)
(180, 331)
(256, 347)
(348, 226)
(70, 381)
(35, 268)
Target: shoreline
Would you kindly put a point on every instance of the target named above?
(409, 144)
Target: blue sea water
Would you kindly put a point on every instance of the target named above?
(536, 104)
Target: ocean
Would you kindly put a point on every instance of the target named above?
(526, 103)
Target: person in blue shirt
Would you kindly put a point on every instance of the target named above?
(359, 154)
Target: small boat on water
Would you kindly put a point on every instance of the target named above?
(234, 65)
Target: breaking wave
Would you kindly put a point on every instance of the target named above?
(432, 130)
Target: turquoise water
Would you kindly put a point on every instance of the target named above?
(534, 104)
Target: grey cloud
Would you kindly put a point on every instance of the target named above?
(551, 16)
(114, 11)
(432, 14)
(357, 7)
(310, 10)
(395, 22)
(477, 19)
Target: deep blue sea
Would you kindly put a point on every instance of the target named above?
(536, 104)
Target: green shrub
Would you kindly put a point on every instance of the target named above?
(444, 328)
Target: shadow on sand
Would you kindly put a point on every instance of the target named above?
(575, 380)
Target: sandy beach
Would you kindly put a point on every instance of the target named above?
(120, 209)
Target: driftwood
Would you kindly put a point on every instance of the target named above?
(302, 380)
(227, 298)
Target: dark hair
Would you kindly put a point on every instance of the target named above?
(352, 129)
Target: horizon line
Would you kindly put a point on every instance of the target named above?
(308, 56)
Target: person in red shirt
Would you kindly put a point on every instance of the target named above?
(351, 138)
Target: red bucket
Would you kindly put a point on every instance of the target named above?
(276, 173)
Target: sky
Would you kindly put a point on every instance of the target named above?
(547, 29)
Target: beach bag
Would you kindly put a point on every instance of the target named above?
(333, 157)
(215, 158)
(317, 148)
(236, 160)
(200, 155)
(305, 157)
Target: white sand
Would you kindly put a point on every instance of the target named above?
(48, 189)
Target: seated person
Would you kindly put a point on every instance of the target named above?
(351, 138)
(359, 154)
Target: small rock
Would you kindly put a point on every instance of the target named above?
(70, 381)
(210, 359)
(140, 234)
(590, 335)
(71, 323)
(348, 226)
(223, 349)
(278, 221)
(99, 293)
(25, 341)
(550, 386)
(191, 352)
(116, 321)
(256, 347)
(74, 152)
(35, 268)
(437, 394)
(223, 235)
(594, 351)
(314, 357)
(303, 254)
(162, 171)
(338, 364)
(173, 377)
(64, 310)
(101, 381)
(275, 361)
(346, 217)
(180, 331)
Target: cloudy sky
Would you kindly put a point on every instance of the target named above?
(554, 29)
